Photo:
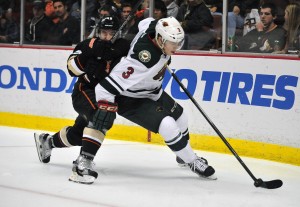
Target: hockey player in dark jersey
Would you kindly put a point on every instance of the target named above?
(134, 90)
(91, 61)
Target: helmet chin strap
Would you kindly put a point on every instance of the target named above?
(161, 46)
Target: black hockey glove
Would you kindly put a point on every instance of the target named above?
(119, 48)
(90, 72)
(101, 47)
(111, 54)
(105, 115)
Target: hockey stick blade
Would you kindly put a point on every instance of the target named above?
(272, 184)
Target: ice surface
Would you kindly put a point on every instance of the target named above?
(135, 175)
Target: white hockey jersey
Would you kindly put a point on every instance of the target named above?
(141, 73)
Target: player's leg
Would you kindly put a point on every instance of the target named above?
(183, 155)
(182, 123)
(93, 137)
(68, 136)
(159, 117)
(90, 139)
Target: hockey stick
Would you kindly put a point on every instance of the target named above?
(257, 182)
(130, 16)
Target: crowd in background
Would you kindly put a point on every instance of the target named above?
(259, 26)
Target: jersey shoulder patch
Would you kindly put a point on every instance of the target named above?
(145, 51)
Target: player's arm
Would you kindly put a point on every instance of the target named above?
(79, 61)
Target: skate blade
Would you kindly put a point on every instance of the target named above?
(212, 177)
(38, 146)
(183, 165)
(86, 179)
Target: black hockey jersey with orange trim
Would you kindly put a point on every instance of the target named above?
(91, 68)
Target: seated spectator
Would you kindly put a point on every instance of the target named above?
(196, 20)
(131, 29)
(49, 11)
(105, 10)
(9, 28)
(143, 11)
(251, 16)
(67, 30)
(160, 10)
(281, 5)
(116, 6)
(267, 37)
(172, 8)
(38, 28)
(292, 25)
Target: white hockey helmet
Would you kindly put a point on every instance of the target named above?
(170, 30)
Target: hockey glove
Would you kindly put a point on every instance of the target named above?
(105, 115)
(120, 48)
(101, 47)
(111, 54)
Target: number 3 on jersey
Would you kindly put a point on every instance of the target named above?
(129, 71)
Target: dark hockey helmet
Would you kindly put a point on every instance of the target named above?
(109, 22)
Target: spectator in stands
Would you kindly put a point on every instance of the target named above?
(251, 15)
(242, 16)
(215, 6)
(143, 11)
(105, 10)
(281, 5)
(160, 10)
(67, 30)
(172, 8)
(196, 20)
(116, 6)
(236, 15)
(131, 29)
(292, 25)
(49, 11)
(38, 28)
(267, 37)
(9, 27)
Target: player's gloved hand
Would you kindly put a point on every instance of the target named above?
(119, 48)
(112, 54)
(101, 47)
(91, 79)
(90, 71)
(105, 115)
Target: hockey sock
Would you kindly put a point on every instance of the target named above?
(182, 123)
(176, 142)
(60, 139)
(91, 141)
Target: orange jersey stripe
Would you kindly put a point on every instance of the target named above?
(86, 96)
(89, 140)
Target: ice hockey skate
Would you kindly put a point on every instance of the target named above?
(83, 171)
(43, 144)
(181, 163)
(201, 168)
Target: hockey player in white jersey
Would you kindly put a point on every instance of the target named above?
(134, 90)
